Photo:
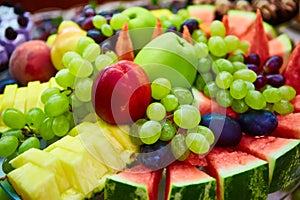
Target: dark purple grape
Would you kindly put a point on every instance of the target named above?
(89, 12)
(226, 129)
(10, 33)
(105, 13)
(253, 67)
(276, 80)
(258, 122)
(260, 81)
(23, 21)
(192, 24)
(87, 24)
(107, 46)
(253, 58)
(272, 65)
(172, 29)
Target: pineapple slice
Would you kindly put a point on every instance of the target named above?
(8, 98)
(32, 100)
(44, 160)
(32, 182)
(20, 99)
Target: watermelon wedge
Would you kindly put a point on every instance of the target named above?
(206, 13)
(288, 126)
(281, 154)
(135, 183)
(296, 103)
(239, 175)
(184, 181)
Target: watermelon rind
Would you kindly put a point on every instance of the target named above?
(117, 188)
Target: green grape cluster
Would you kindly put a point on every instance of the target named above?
(172, 117)
(81, 67)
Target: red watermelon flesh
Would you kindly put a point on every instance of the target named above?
(288, 126)
(196, 160)
(296, 103)
(236, 17)
(206, 13)
(292, 69)
(142, 175)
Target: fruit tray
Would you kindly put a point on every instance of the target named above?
(155, 101)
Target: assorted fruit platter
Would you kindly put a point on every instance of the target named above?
(152, 102)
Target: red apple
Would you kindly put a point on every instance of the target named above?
(121, 93)
(31, 61)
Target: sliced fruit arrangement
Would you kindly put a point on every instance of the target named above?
(196, 99)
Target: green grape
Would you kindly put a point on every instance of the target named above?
(283, 107)
(60, 125)
(224, 79)
(103, 61)
(13, 118)
(82, 43)
(238, 66)
(222, 64)
(250, 86)
(118, 20)
(244, 46)
(91, 52)
(8, 145)
(106, 30)
(134, 131)
(183, 13)
(68, 57)
(179, 148)
(98, 21)
(34, 118)
(239, 105)
(236, 58)
(245, 74)
(168, 131)
(80, 68)
(46, 94)
(272, 95)
(217, 28)
(199, 83)
(204, 65)
(197, 143)
(196, 34)
(269, 107)
(210, 89)
(224, 98)
(217, 46)
(64, 78)
(6, 166)
(31, 142)
(238, 89)
(207, 77)
(287, 92)
(255, 100)
(150, 132)
(14, 132)
(201, 49)
(177, 21)
(74, 101)
(170, 102)
(83, 89)
(56, 105)
(183, 95)
(70, 117)
(113, 55)
(232, 42)
(206, 132)
(187, 116)
(46, 129)
(156, 111)
(160, 88)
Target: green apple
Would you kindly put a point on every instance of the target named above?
(141, 25)
(171, 57)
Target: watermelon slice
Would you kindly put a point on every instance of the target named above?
(206, 13)
(135, 183)
(196, 160)
(281, 46)
(184, 181)
(296, 103)
(239, 175)
(292, 70)
(281, 154)
(288, 126)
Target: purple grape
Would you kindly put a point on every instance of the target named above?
(192, 24)
(272, 65)
(96, 35)
(172, 29)
(253, 58)
(253, 67)
(260, 81)
(87, 24)
(89, 12)
(276, 80)
(10, 33)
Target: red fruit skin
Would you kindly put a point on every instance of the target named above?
(31, 61)
(121, 93)
(292, 69)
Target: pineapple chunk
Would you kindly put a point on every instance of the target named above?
(20, 99)
(72, 194)
(8, 98)
(42, 88)
(34, 183)
(45, 160)
(32, 100)
(81, 171)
